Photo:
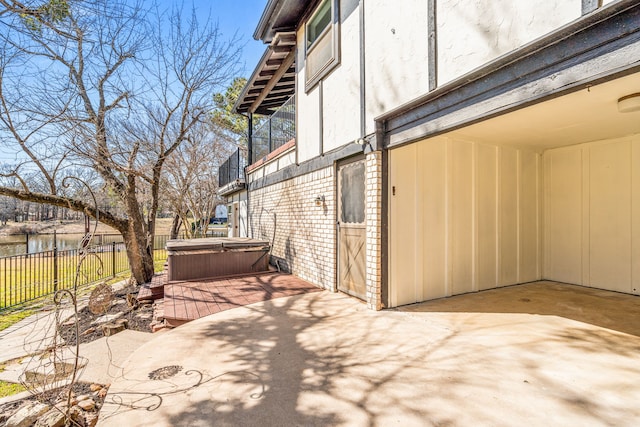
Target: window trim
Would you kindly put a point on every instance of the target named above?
(332, 30)
(308, 46)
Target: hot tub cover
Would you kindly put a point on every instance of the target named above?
(215, 243)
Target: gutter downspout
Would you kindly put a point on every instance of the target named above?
(363, 87)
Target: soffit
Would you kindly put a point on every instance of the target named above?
(280, 15)
(273, 80)
(586, 115)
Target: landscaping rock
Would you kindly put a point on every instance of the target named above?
(118, 301)
(54, 418)
(158, 326)
(91, 419)
(87, 404)
(27, 415)
(89, 331)
(95, 387)
(77, 416)
(107, 318)
(103, 393)
(144, 316)
(114, 327)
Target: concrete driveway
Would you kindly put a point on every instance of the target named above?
(524, 355)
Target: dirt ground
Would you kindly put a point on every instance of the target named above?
(139, 318)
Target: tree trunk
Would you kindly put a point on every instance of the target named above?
(138, 239)
(175, 226)
(140, 256)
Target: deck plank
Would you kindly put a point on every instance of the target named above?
(200, 301)
(191, 300)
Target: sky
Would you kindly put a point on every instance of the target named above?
(234, 16)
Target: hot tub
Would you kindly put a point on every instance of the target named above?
(190, 259)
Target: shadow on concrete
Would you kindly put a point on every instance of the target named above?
(324, 359)
(310, 371)
(611, 310)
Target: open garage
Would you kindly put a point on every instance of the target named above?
(550, 191)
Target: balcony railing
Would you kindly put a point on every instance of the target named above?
(276, 131)
(232, 169)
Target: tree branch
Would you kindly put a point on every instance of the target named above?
(105, 217)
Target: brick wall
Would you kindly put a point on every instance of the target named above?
(302, 234)
(373, 189)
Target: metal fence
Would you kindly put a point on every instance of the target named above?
(276, 131)
(26, 277)
(232, 169)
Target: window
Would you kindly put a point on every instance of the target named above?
(321, 36)
(320, 21)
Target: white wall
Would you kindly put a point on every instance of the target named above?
(396, 55)
(307, 111)
(396, 72)
(241, 199)
(474, 32)
(341, 89)
(339, 92)
(592, 214)
(470, 34)
(465, 217)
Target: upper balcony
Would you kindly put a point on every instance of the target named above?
(270, 92)
(231, 173)
(274, 131)
(270, 136)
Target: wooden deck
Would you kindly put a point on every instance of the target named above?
(155, 289)
(190, 300)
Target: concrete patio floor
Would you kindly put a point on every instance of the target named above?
(537, 355)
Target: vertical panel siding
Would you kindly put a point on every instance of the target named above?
(476, 218)
(432, 159)
(462, 218)
(635, 215)
(529, 224)
(563, 219)
(508, 219)
(487, 216)
(402, 225)
(610, 216)
(592, 206)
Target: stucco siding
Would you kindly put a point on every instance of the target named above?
(307, 110)
(396, 55)
(341, 89)
(471, 33)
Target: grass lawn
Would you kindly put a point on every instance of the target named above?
(10, 317)
(25, 278)
(8, 389)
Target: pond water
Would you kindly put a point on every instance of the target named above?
(17, 244)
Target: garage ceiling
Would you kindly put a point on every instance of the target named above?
(583, 116)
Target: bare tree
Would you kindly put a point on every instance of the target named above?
(192, 179)
(110, 86)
